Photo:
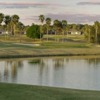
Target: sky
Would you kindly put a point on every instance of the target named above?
(74, 11)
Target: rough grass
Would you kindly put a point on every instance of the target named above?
(26, 92)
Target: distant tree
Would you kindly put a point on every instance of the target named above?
(57, 26)
(96, 25)
(42, 19)
(44, 29)
(14, 21)
(92, 33)
(89, 33)
(86, 31)
(7, 20)
(79, 27)
(48, 22)
(20, 28)
(64, 25)
(33, 31)
(74, 26)
(1, 18)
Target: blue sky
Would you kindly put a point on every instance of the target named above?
(74, 11)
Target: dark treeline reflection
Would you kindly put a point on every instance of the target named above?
(10, 69)
(93, 61)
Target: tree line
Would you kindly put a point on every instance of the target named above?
(90, 32)
(13, 26)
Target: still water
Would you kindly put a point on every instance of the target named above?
(76, 73)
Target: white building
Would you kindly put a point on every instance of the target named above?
(74, 32)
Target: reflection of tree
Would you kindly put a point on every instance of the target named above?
(19, 64)
(41, 70)
(40, 63)
(0, 76)
(58, 62)
(6, 72)
(94, 61)
(11, 66)
(14, 69)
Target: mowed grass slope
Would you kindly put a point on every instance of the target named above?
(74, 45)
(47, 49)
(26, 92)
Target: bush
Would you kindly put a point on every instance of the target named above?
(33, 31)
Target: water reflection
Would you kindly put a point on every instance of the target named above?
(8, 70)
(61, 72)
(94, 61)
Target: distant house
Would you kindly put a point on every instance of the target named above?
(74, 32)
(3, 32)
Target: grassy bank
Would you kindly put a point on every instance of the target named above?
(26, 92)
(10, 47)
(10, 50)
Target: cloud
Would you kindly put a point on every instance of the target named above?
(32, 18)
(26, 5)
(75, 18)
(21, 5)
(88, 3)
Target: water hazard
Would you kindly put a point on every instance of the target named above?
(75, 73)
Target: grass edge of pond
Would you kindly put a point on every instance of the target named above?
(29, 92)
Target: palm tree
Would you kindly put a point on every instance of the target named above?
(64, 25)
(48, 22)
(87, 32)
(41, 18)
(14, 21)
(96, 25)
(7, 20)
(1, 18)
(57, 25)
(20, 27)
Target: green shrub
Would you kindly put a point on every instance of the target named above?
(33, 31)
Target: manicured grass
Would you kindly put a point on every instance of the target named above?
(26, 92)
(73, 37)
(64, 45)
(9, 49)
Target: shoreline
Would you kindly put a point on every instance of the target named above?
(51, 55)
(46, 55)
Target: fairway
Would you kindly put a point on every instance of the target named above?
(10, 50)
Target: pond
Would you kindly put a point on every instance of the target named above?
(66, 72)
